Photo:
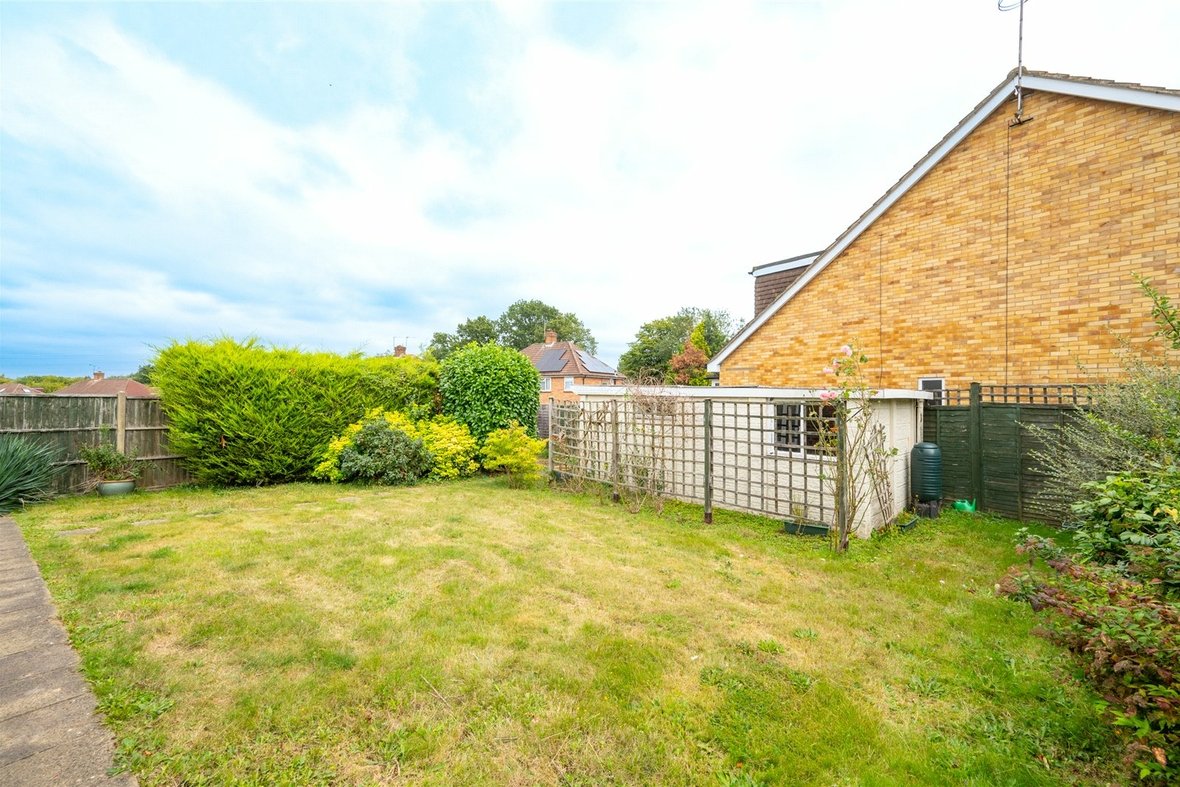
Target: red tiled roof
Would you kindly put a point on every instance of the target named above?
(573, 363)
(108, 386)
(18, 389)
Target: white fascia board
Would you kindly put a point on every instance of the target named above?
(785, 265)
(1119, 95)
(734, 392)
(998, 97)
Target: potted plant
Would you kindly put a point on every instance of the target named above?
(111, 471)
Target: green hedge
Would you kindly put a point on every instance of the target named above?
(241, 413)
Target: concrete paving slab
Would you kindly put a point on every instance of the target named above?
(49, 732)
(19, 666)
(31, 636)
(68, 764)
(43, 728)
(41, 691)
(31, 594)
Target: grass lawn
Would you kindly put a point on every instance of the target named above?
(467, 633)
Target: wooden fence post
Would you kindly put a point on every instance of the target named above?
(843, 470)
(708, 461)
(975, 444)
(121, 422)
(616, 471)
(552, 415)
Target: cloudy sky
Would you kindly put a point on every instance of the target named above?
(351, 176)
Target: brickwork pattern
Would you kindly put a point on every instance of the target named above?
(1010, 262)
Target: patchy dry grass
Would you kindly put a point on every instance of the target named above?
(467, 633)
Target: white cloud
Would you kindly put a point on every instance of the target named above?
(621, 182)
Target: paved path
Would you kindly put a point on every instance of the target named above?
(49, 733)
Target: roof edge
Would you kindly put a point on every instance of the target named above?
(1033, 80)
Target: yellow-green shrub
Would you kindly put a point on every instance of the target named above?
(449, 442)
(514, 452)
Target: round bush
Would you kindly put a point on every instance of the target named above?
(381, 454)
(488, 387)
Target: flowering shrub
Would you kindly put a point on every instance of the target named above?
(514, 452)
(450, 444)
(861, 476)
(1128, 640)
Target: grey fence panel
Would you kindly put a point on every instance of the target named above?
(68, 422)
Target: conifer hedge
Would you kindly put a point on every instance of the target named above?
(241, 413)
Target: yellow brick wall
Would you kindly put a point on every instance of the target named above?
(977, 276)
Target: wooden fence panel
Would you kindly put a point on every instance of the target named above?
(996, 464)
(948, 427)
(67, 422)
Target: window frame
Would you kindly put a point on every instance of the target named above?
(797, 424)
(939, 392)
(546, 384)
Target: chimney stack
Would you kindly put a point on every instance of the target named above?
(399, 351)
(550, 337)
(99, 375)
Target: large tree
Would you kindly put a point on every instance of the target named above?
(655, 344)
(480, 330)
(523, 323)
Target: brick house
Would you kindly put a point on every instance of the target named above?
(562, 365)
(1005, 256)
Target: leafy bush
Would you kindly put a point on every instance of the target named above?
(488, 387)
(1132, 522)
(245, 414)
(26, 472)
(105, 463)
(1128, 641)
(382, 454)
(514, 452)
(450, 444)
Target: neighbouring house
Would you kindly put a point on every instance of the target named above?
(101, 385)
(562, 365)
(18, 389)
(1007, 255)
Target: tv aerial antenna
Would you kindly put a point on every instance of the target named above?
(1013, 5)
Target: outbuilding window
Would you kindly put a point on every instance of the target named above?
(809, 427)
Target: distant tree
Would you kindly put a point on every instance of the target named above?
(144, 374)
(525, 322)
(688, 367)
(480, 330)
(47, 382)
(650, 355)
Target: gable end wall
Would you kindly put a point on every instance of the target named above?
(1010, 262)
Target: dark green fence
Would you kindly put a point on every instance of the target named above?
(988, 443)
